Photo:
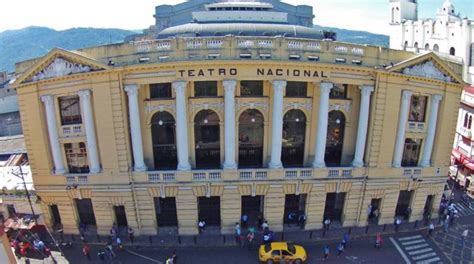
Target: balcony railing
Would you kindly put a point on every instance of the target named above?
(71, 130)
(416, 126)
(340, 172)
(154, 176)
(298, 173)
(207, 175)
(253, 174)
(77, 179)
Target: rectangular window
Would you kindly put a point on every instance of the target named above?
(418, 108)
(338, 91)
(205, 89)
(411, 152)
(160, 90)
(76, 157)
(70, 110)
(296, 89)
(251, 88)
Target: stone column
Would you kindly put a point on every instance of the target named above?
(365, 92)
(48, 101)
(229, 124)
(92, 153)
(181, 125)
(277, 123)
(135, 127)
(320, 147)
(402, 123)
(426, 157)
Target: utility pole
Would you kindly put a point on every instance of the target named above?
(21, 175)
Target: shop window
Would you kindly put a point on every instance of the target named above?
(339, 91)
(76, 156)
(70, 110)
(205, 89)
(469, 123)
(417, 109)
(411, 152)
(160, 90)
(251, 88)
(296, 89)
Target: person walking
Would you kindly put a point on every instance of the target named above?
(238, 233)
(327, 223)
(446, 226)
(398, 222)
(464, 235)
(340, 249)
(119, 243)
(431, 229)
(131, 234)
(345, 239)
(250, 237)
(245, 220)
(201, 226)
(113, 233)
(302, 220)
(326, 252)
(291, 218)
(265, 225)
(378, 241)
(86, 250)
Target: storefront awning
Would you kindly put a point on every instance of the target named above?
(456, 154)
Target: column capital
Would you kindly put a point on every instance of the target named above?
(366, 89)
(46, 98)
(279, 85)
(229, 85)
(84, 93)
(179, 86)
(407, 94)
(436, 97)
(326, 87)
(131, 89)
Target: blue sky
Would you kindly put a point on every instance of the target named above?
(369, 15)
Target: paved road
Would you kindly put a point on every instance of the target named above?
(418, 249)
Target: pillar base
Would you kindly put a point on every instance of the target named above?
(425, 164)
(60, 172)
(275, 165)
(184, 167)
(230, 166)
(139, 168)
(318, 164)
(357, 164)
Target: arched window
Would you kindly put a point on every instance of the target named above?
(405, 45)
(452, 51)
(427, 46)
(335, 138)
(436, 47)
(466, 119)
(207, 140)
(416, 46)
(294, 130)
(251, 139)
(393, 15)
(469, 123)
(163, 136)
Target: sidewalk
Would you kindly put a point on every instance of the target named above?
(211, 239)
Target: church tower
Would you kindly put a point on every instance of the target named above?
(403, 10)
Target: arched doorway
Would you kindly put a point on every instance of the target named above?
(435, 47)
(207, 140)
(163, 136)
(427, 46)
(452, 51)
(294, 130)
(405, 45)
(251, 139)
(335, 138)
(416, 47)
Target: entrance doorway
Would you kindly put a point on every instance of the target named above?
(252, 206)
(374, 213)
(209, 210)
(295, 204)
(334, 206)
(55, 216)
(404, 201)
(120, 216)
(85, 210)
(165, 209)
(428, 207)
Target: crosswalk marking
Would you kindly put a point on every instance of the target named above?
(413, 242)
(420, 251)
(464, 209)
(431, 260)
(409, 238)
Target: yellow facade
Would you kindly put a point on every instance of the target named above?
(111, 68)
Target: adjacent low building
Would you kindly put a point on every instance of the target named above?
(164, 133)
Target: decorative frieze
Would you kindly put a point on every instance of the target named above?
(206, 106)
(60, 67)
(251, 105)
(345, 106)
(427, 70)
(161, 108)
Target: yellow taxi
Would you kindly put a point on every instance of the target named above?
(274, 252)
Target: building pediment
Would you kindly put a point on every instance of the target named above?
(60, 63)
(427, 66)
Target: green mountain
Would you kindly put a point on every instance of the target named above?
(358, 37)
(32, 42)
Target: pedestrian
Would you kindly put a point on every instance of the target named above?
(259, 222)
(201, 226)
(302, 220)
(431, 228)
(59, 229)
(345, 239)
(86, 250)
(407, 213)
(101, 255)
(82, 228)
(174, 256)
(250, 237)
(454, 215)
(113, 233)
(291, 218)
(238, 233)
(109, 250)
(446, 226)
(265, 226)
(327, 223)
(398, 222)
(326, 252)
(119, 243)
(464, 235)
(169, 260)
(245, 220)
(131, 234)
(340, 249)
(378, 241)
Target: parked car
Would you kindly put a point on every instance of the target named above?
(274, 252)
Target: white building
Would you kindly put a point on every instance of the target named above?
(448, 34)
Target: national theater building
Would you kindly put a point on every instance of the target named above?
(237, 112)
